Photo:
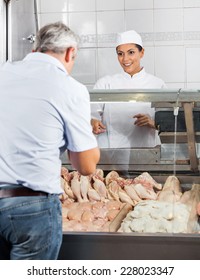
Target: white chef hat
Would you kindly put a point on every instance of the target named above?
(129, 37)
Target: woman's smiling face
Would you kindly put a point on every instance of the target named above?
(129, 57)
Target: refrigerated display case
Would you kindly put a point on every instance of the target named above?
(177, 116)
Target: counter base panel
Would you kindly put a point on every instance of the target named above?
(100, 246)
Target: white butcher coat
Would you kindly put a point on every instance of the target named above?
(118, 117)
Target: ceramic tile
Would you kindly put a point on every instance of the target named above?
(170, 63)
(52, 6)
(192, 63)
(168, 4)
(148, 60)
(107, 62)
(105, 5)
(176, 86)
(78, 5)
(168, 20)
(191, 3)
(142, 4)
(108, 24)
(85, 66)
(191, 17)
(52, 17)
(140, 21)
(84, 24)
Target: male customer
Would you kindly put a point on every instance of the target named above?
(43, 112)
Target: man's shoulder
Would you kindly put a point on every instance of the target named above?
(76, 84)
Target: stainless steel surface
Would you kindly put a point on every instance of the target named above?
(30, 38)
(21, 23)
(116, 246)
(160, 96)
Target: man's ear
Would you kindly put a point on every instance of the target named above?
(69, 54)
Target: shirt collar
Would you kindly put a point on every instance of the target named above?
(38, 56)
(137, 75)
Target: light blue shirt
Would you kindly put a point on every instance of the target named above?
(43, 111)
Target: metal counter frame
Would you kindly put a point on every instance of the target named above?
(117, 246)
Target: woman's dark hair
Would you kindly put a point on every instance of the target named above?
(139, 47)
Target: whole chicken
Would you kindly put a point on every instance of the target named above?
(84, 187)
(100, 187)
(171, 191)
(76, 186)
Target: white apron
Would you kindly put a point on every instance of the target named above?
(118, 117)
(121, 131)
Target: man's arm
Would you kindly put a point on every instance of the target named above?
(85, 162)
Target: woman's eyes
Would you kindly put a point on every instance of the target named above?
(129, 53)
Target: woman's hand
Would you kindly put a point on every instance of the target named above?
(97, 126)
(144, 120)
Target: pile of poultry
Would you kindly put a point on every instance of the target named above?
(174, 211)
(111, 187)
(91, 203)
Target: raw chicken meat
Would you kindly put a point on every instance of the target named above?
(68, 190)
(113, 190)
(125, 198)
(84, 187)
(144, 193)
(156, 217)
(98, 205)
(99, 174)
(193, 202)
(76, 187)
(65, 174)
(93, 195)
(111, 214)
(113, 204)
(171, 191)
(85, 206)
(112, 175)
(132, 193)
(87, 216)
(100, 187)
(147, 181)
(74, 214)
(172, 183)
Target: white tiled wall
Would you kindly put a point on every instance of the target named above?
(169, 29)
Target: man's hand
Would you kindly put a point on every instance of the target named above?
(97, 126)
(144, 120)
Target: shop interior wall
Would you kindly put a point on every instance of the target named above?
(169, 29)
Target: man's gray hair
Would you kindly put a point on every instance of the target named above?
(55, 37)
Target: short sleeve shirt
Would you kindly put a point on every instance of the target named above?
(43, 111)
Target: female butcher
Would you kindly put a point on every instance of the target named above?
(116, 127)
